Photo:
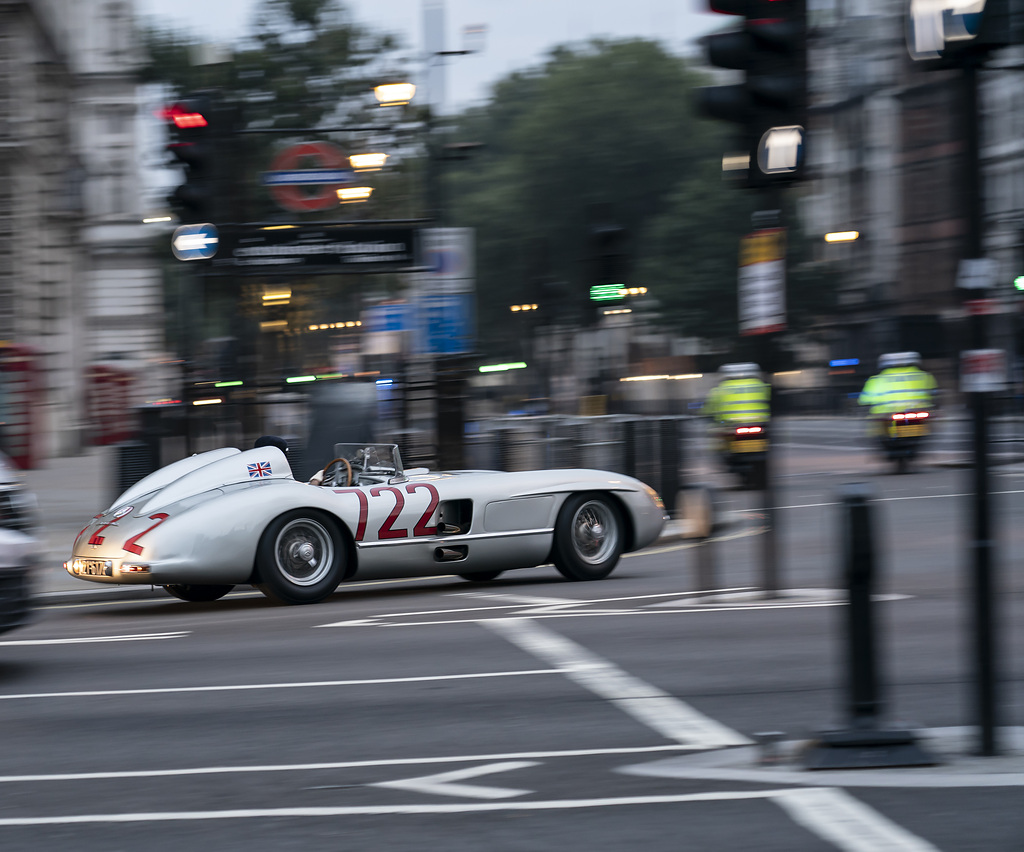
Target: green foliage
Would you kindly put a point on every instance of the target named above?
(602, 133)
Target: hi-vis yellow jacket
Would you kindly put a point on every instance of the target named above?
(744, 399)
(898, 389)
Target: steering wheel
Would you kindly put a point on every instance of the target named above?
(333, 480)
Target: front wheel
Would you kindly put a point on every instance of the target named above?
(301, 558)
(195, 593)
(589, 537)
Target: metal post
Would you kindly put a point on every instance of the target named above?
(865, 743)
(769, 541)
(983, 616)
(859, 568)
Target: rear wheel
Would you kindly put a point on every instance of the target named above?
(301, 558)
(196, 593)
(589, 537)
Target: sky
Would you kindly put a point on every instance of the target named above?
(518, 33)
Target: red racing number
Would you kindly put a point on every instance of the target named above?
(421, 527)
(364, 508)
(385, 530)
(132, 545)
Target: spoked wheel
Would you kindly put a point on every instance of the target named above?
(301, 558)
(589, 537)
(481, 576)
(196, 593)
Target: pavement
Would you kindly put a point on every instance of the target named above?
(71, 490)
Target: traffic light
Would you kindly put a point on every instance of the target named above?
(198, 137)
(769, 107)
(945, 33)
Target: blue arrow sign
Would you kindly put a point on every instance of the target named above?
(195, 242)
(306, 177)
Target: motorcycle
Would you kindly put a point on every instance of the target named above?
(744, 450)
(903, 433)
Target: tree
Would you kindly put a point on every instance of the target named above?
(606, 126)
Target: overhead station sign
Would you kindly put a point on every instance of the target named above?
(316, 249)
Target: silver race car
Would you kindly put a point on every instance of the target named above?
(204, 524)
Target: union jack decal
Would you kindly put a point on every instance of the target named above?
(259, 470)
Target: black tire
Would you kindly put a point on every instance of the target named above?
(481, 576)
(195, 593)
(589, 537)
(301, 558)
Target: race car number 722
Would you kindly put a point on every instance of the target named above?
(387, 529)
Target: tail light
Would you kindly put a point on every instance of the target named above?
(911, 415)
(749, 430)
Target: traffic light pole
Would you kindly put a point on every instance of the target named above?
(981, 545)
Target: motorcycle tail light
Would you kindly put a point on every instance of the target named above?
(899, 416)
(748, 430)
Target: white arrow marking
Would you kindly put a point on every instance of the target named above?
(443, 784)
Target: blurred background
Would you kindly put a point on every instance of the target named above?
(555, 239)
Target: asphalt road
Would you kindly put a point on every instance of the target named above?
(531, 712)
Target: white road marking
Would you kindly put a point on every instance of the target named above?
(136, 637)
(444, 783)
(376, 810)
(241, 687)
(852, 826)
(348, 764)
(884, 500)
(670, 717)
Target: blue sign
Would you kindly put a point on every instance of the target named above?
(389, 317)
(844, 362)
(307, 177)
(447, 323)
(195, 242)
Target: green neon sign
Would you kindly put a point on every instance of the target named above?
(606, 292)
(497, 368)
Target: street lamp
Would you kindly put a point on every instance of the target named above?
(842, 236)
(368, 162)
(351, 194)
(394, 94)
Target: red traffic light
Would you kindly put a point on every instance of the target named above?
(184, 118)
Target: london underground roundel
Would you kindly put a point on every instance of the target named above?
(308, 176)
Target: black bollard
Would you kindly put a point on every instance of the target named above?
(859, 556)
(865, 743)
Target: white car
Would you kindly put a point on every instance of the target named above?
(207, 523)
(19, 549)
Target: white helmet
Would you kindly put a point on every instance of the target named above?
(906, 359)
(747, 368)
